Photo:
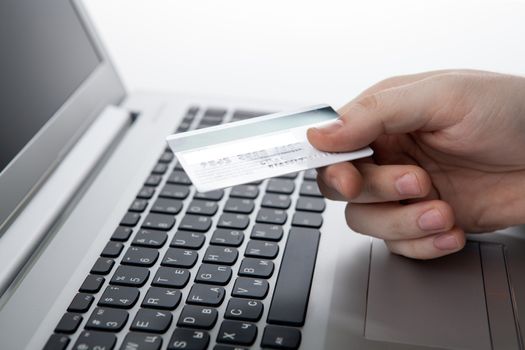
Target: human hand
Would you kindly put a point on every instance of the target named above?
(449, 157)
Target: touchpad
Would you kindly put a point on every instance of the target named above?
(437, 303)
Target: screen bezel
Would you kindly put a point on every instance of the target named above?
(30, 167)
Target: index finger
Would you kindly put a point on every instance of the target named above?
(397, 110)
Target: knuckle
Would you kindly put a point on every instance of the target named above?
(448, 214)
(368, 102)
(423, 178)
(373, 188)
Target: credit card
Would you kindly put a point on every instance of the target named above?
(255, 149)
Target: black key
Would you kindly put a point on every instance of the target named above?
(277, 201)
(175, 191)
(220, 255)
(310, 204)
(267, 232)
(307, 219)
(159, 221)
(290, 297)
(183, 127)
(290, 176)
(112, 249)
(233, 221)
(166, 157)
(252, 267)
(106, 319)
(178, 166)
(177, 257)
(138, 205)
(272, 216)
(167, 206)
(212, 119)
(179, 177)
(310, 188)
(215, 195)
(153, 180)
(68, 323)
(310, 175)
(214, 274)
(81, 302)
(250, 288)
(244, 310)
(232, 238)
(154, 321)
(92, 340)
(258, 182)
(102, 266)
(194, 316)
(235, 332)
(228, 347)
(191, 113)
(140, 256)
(141, 341)
(283, 186)
(130, 276)
(189, 339)
(121, 297)
(162, 298)
(189, 240)
(245, 191)
(160, 168)
(195, 223)
(122, 233)
(244, 114)
(150, 238)
(261, 249)
(205, 294)
(278, 337)
(146, 192)
(205, 123)
(57, 342)
(130, 219)
(215, 112)
(92, 284)
(239, 205)
(171, 277)
(199, 207)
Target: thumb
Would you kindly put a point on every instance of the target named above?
(402, 109)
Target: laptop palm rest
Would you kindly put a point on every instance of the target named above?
(439, 303)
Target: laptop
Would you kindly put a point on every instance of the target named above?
(105, 244)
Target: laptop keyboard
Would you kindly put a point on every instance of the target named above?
(183, 265)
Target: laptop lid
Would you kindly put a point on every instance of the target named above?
(56, 78)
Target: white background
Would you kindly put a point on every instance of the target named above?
(302, 51)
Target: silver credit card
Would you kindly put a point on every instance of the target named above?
(255, 149)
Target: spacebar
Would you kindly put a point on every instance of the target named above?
(290, 297)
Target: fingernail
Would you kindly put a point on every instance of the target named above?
(407, 185)
(331, 127)
(431, 220)
(446, 241)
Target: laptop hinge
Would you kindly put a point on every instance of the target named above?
(27, 230)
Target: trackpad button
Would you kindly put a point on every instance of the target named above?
(437, 303)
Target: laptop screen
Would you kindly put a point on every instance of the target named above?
(42, 64)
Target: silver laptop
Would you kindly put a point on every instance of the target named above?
(104, 243)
